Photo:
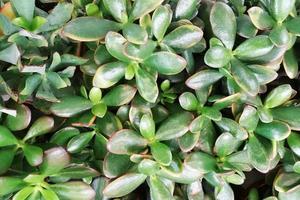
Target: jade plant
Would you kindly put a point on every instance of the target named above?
(149, 99)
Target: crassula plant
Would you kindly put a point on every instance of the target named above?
(149, 99)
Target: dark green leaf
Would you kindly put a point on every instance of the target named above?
(201, 162)
(74, 190)
(166, 63)
(79, 142)
(70, 106)
(126, 142)
(119, 95)
(41, 126)
(80, 28)
(203, 79)
(175, 126)
(6, 137)
(161, 153)
(124, 185)
(223, 23)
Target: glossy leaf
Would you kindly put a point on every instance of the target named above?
(161, 153)
(280, 10)
(166, 63)
(79, 28)
(175, 126)
(278, 96)
(117, 9)
(124, 185)
(109, 74)
(183, 37)
(147, 127)
(70, 106)
(254, 47)
(73, 190)
(41, 126)
(201, 162)
(260, 18)
(223, 23)
(6, 137)
(79, 142)
(21, 121)
(126, 142)
(158, 189)
(143, 7)
(33, 154)
(203, 79)
(119, 95)
(217, 57)
(161, 20)
(55, 159)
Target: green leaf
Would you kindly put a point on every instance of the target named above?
(289, 114)
(24, 8)
(263, 74)
(244, 77)
(6, 158)
(254, 47)
(21, 121)
(161, 153)
(257, 154)
(119, 95)
(293, 26)
(124, 185)
(217, 57)
(55, 80)
(188, 101)
(175, 126)
(279, 96)
(211, 113)
(226, 144)
(280, 10)
(10, 54)
(202, 162)
(249, 118)
(31, 84)
(74, 190)
(41, 126)
(126, 141)
(10, 184)
(146, 85)
(158, 190)
(33, 154)
(279, 36)
(139, 52)
(188, 141)
(166, 63)
(275, 130)
(223, 23)
(78, 172)
(95, 95)
(55, 159)
(58, 17)
(109, 74)
(148, 167)
(49, 195)
(143, 7)
(135, 33)
(290, 64)
(99, 109)
(114, 43)
(294, 142)
(6, 137)
(70, 106)
(147, 127)
(79, 142)
(183, 37)
(187, 9)
(62, 136)
(245, 27)
(115, 165)
(109, 124)
(117, 9)
(231, 126)
(161, 20)
(203, 79)
(296, 167)
(24, 193)
(260, 18)
(79, 29)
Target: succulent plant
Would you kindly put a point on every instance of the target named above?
(149, 99)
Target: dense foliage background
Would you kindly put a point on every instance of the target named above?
(149, 99)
